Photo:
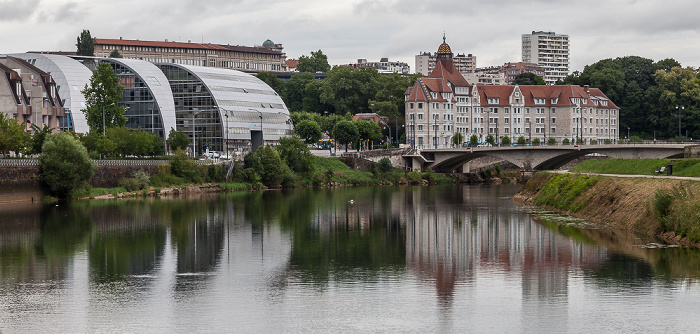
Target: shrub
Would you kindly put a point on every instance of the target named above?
(413, 177)
(505, 140)
(594, 142)
(384, 166)
(565, 141)
(536, 142)
(551, 141)
(522, 140)
(64, 164)
(138, 181)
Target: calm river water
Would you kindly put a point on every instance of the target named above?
(409, 259)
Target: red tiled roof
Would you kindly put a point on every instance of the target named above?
(183, 45)
(445, 69)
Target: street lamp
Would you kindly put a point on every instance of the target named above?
(226, 134)
(628, 135)
(195, 112)
(679, 108)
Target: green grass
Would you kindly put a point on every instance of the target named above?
(563, 191)
(679, 211)
(681, 167)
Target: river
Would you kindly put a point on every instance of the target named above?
(354, 259)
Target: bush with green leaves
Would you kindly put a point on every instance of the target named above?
(565, 141)
(505, 140)
(184, 167)
(177, 140)
(384, 166)
(522, 140)
(138, 181)
(551, 141)
(64, 164)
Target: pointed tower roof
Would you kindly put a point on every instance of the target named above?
(444, 51)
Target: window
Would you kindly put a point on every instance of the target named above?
(539, 101)
(420, 105)
(554, 130)
(492, 100)
(554, 120)
(420, 116)
(420, 127)
(411, 116)
(410, 105)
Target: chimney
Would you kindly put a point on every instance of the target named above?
(585, 87)
(166, 40)
(120, 38)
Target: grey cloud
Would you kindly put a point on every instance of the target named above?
(17, 10)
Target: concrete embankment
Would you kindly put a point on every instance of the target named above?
(625, 203)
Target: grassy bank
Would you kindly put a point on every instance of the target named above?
(681, 167)
(666, 208)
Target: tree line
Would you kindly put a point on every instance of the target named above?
(650, 94)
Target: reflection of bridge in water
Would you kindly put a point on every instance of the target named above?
(540, 157)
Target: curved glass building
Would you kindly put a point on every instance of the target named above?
(226, 110)
(146, 96)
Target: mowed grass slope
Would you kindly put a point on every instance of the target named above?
(681, 167)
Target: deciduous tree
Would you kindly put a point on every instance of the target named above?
(317, 62)
(101, 98)
(64, 164)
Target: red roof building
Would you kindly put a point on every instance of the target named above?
(444, 103)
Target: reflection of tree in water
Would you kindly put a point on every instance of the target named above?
(333, 239)
(129, 240)
(30, 255)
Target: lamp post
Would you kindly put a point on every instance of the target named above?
(679, 108)
(103, 128)
(194, 133)
(628, 135)
(396, 130)
(226, 135)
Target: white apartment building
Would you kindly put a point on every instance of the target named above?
(549, 50)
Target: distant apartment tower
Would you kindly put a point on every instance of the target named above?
(425, 63)
(384, 66)
(549, 50)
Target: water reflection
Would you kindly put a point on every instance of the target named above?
(468, 249)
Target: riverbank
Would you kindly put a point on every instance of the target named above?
(664, 208)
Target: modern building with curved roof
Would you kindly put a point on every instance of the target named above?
(146, 96)
(71, 77)
(226, 110)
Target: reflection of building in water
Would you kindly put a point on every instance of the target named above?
(449, 245)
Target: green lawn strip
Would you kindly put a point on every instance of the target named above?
(681, 167)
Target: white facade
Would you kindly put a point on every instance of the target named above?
(549, 50)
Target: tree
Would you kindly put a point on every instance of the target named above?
(309, 131)
(473, 140)
(490, 139)
(296, 154)
(101, 98)
(64, 164)
(296, 91)
(115, 54)
(274, 82)
(38, 138)
(505, 140)
(273, 166)
(349, 90)
(522, 140)
(551, 141)
(457, 139)
(85, 45)
(346, 133)
(317, 62)
(368, 130)
(536, 142)
(528, 78)
(13, 138)
(177, 140)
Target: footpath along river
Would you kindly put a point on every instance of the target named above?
(460, 258)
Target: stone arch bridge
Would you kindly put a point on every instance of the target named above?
(541, 157)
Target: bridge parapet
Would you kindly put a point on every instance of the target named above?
(547, 157)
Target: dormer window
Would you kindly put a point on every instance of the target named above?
(539, 101)
(493, 100)
(555, 100)
(434, 95)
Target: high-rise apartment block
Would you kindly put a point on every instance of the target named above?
(549, 50)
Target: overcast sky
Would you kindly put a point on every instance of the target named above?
(346, 30)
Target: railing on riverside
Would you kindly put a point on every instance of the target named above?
(14, 162)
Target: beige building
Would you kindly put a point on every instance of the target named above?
(268, 57)
(29, 95)
(444, 103)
